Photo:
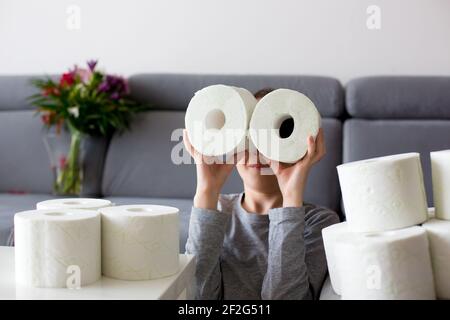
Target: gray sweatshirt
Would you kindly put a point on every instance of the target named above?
(242, 255)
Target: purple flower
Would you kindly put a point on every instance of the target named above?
(103, 87)
(92, 64)
(114, 85)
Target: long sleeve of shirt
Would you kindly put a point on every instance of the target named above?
(205, 241)
(296, 263)
(287, 272)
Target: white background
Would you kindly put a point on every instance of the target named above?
(228, 36)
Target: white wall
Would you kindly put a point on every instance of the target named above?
(228, 36)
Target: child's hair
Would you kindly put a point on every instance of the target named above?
(287, 126)
(262, 92)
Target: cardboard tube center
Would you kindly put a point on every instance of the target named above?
(215, 119)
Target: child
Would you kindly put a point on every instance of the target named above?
(264, 243)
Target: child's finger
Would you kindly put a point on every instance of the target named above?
(240, 157)
(274, 165)
(320, 148)
(277, 166)
(311, 147)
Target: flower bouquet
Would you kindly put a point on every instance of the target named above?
(82, 102)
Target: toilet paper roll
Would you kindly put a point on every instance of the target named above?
(387, 265)
(74, 203)
(329, 236)
(440, 169)
(217, 119)
(139, 242)
(439, 238)
(57, 248)
(383, 193)
(431, 213)
(281, 123)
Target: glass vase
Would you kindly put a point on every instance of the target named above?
(66, 153)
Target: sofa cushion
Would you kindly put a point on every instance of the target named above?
(399, 97)
(174, 91)
(372, 138)
(24, 162)
(139, 162)
(10, 204)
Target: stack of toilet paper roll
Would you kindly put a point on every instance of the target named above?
(223, 120)
(380, 252)
(368, 256)
(68, 243)
(438, 227)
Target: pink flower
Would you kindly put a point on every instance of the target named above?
(84, 74)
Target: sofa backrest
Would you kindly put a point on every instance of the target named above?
(407, 97)
(174, 91)
(24, 164)
(395, 115)
(139, 163)
(385, 115)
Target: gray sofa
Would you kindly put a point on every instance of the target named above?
(373, 116)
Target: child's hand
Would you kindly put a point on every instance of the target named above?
(210, 177)
(292, 177)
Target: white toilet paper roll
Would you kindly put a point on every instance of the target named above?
(440, 169)
(387, 265)
(74, 203)
(139, 242)
(217, 119)
(439, 238)
(383, 193)
(56, 248)
(329, 236)
(281, 123)
(431, 213)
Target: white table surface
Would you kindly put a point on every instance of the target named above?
(178, 286)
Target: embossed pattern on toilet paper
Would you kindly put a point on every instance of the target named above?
(217, 119)
(330, 235)
(386, 265)
(47, 246)
(439, 239)
(440, 168)
(268, 117)
(383, 193)
(139, 247)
